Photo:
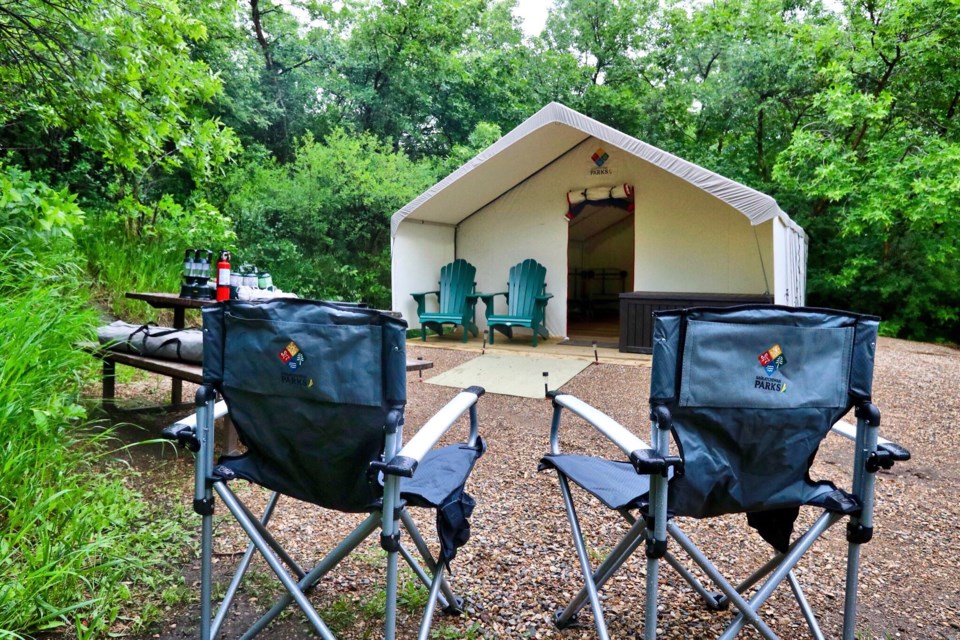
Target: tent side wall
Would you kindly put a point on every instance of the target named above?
(687, 241)
(525, 223)
(418, 253)
(790, 245)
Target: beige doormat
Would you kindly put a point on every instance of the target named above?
(511, 375)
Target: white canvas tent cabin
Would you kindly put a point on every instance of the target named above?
(673, 234)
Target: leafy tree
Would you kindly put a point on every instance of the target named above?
(877, 161)
(109, 89)
(422, 73)
(320, 224)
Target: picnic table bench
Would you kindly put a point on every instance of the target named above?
(178, 371)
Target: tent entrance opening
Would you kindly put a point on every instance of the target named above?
(600, 265)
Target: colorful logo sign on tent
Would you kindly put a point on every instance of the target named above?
(599, 157)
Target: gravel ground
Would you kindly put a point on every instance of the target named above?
(520, 567)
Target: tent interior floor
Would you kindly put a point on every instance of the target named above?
(604, 330)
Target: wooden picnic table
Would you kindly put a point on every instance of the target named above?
(171, 301)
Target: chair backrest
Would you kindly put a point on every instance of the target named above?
(753, 391)
(526, 281)
(457, 279)
(309, 386)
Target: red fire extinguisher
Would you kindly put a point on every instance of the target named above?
(223, 277)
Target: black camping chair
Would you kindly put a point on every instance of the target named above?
(316, 392)
(748, 394)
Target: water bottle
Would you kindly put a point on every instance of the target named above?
(188, 263)
(265, 280)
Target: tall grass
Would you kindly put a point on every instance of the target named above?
(122, 257)
(76, 544)
(119, 264)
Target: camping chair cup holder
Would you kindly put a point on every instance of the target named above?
(317, 393)
(779, 378)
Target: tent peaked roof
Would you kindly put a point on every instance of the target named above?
(540, 140)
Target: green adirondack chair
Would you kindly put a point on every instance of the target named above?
(526, 301)
(457, 299)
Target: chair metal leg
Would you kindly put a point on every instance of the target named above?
(264, 548)
(710, 598)
(655, 538)
(762, 572)
(203, 504)
(790, 560)
(448, 599)
(701, 560)
(390, 533)
(713, 601)
(864, 484)
(206, 576)
(805, 607)
(427, 620)
(269, 539)
(332, 559)
(850, 595)
(241, 571)
(563, 619)
(624, 549)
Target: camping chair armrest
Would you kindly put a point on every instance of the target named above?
(894, 450)
(406, 461)
(184, 430)
(607, 426)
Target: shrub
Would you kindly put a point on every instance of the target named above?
(75, 543)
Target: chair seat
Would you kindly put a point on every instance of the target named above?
(615, 484)
(509, 320)
(441, 317)
(618, 486)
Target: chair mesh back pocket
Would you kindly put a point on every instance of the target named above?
(765, 366)
(331, 363)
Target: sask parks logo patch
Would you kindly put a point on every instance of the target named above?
(599, 157)
(294, 358)
(772, 360)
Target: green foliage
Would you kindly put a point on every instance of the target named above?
(136, 248)
(320, 224)
(76, 544)
(114, 74)
(877, 165)
(34, 208)
(452, 632)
